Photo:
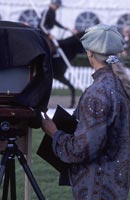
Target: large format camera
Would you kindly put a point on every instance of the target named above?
(25, 77)
(25, 86)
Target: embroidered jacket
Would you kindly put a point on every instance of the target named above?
(99, 150)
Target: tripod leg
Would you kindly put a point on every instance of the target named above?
(6, 182)
(3, 165)
(9, 176)
(28, 172)
(7, 167)
(12, 180)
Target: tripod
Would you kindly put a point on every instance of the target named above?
(7, 168)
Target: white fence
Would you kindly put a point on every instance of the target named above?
(80, 77)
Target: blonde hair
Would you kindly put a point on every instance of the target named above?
(119, 70)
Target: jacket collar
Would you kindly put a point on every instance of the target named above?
(101, 72)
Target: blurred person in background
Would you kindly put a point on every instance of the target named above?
(99, 150)
(126, 35)
(48, 22)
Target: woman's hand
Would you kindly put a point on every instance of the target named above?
(51, 37)
(48, 126)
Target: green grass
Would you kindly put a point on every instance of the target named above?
(46, 176)
(64, 92)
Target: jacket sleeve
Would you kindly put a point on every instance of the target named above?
(91, 133)
(42, 23)
(59, 25)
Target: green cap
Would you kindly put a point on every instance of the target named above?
(103, 39)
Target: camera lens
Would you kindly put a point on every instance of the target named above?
(5, 126)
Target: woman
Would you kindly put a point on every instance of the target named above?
(99, 150)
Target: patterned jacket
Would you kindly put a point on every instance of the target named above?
(99, 150)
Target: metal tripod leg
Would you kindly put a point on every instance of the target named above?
(9, 178)
(12, 180)
(7, 168)
(6, 182)
(3, 165)
(29, 174)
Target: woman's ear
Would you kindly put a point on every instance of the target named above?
(90, 55)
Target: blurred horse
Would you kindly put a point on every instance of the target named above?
(71, 46)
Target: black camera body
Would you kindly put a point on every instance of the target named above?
(25, 78)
